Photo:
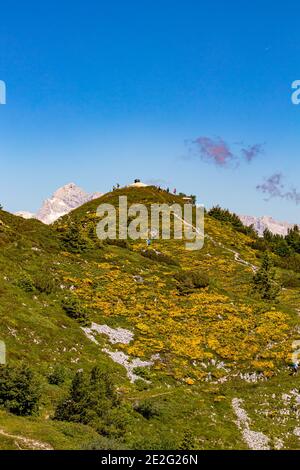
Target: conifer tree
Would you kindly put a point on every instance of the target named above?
(264, 280)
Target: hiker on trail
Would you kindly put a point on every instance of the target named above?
(148, 242)
(168, 190)
(118, 186)
(114, 188)
(295, 367)
(174, 191)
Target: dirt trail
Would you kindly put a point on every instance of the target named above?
(28, 443)
(235, 253)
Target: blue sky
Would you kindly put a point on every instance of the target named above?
(103, 92)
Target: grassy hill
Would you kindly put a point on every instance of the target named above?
(168, 326)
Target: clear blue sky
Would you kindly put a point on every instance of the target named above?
(103, 92)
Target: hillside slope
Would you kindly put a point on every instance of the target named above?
(215, 349)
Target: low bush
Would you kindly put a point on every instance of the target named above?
(155, 255)
(290, 280)
(57, 376)
(44, 282)
(147, 409)
(25, 282)
(143, 372)
(188, 281)
(75, 310)
(290, 262)
(119, 243)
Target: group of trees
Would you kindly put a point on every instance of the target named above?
(91, 399)
(283, 246)
(287, 249)
(224, 215)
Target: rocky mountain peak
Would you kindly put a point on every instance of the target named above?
(65, 199)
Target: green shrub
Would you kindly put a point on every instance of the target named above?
(44, 282)
(259, 244)
(147, 409)
(90, 229)
(74, 239)
(281, 248)
(290, 280)
(143, 372)
(290, 262)
(57, 376)
(19, 390)
(75, 310)
(25, 282)
(188, 441)
(159, 257)
(188, 281)
(119, 243)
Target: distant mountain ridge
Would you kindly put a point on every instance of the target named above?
(263, 222)
(64, 200)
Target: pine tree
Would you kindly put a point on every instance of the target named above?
(19, 390)
(74, 241)
(293, 238)
(264, 280)
(91, 400)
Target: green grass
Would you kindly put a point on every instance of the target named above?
(38, 332)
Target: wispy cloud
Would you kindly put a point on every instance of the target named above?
(274, 187)
(252, 151)
(217, 151)
(213, 150)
